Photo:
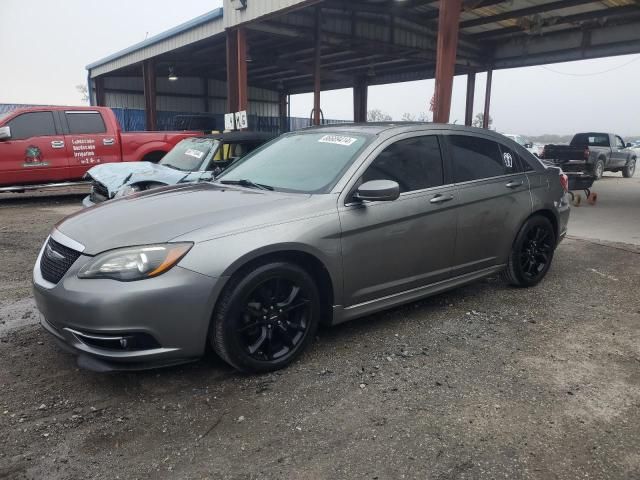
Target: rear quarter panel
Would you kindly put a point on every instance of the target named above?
(547, 194)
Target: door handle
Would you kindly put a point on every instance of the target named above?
(441, 199)
(57, 144)
(108, 141)
(514, 184)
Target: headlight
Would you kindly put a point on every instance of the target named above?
(127, 190)
(135, 263)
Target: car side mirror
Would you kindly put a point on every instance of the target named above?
(629, 145)
(378, 191)
(5, 133)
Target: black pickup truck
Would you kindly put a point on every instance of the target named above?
(593, 153)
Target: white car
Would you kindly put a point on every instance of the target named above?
(528, 144)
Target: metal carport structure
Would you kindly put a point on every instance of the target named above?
(251, 54)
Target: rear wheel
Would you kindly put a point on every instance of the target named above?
(598, 169)
(266, 317)
(532, 253)
(630, 169)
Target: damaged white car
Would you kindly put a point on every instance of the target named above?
(197, 159)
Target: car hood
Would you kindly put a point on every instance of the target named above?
(163, 214)
(115, 175)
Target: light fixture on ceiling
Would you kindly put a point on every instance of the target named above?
(172, 75)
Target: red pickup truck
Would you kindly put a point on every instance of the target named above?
(47, 146)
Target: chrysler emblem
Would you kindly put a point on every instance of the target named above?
(52, 254)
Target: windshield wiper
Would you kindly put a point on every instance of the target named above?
(247, 183)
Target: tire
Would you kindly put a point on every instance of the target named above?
(630, 169)
(266, 317)
(532, 253)
(598, 169)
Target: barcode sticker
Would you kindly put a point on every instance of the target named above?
(338, 140)
(194, 153)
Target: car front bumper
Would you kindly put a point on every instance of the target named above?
(115, 325)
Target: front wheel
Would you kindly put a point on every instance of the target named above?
(266, 317)
(630, 169)
(532, 253)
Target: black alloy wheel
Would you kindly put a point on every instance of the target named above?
(275, 319)
(532, 253)
(266, 317)
(536, 251)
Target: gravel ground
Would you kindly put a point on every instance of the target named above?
(482, 382)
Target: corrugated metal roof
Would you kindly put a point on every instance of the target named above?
(181, 31)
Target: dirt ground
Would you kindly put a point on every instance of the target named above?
(485, 381)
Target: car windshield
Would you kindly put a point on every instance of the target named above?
(303, 163)
(4, 115)
(189, 154)
(590, 139)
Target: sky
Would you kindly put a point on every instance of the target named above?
(47, 44)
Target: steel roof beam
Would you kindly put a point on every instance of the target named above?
(524, 12)
(600, 16)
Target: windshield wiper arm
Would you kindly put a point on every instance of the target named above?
(247, 183)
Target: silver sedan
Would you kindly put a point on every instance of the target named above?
(317, 227)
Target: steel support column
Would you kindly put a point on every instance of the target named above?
(150, 105)
(360, 98)
(448, 23)
(471, 90)
(100, 97)
(243, 78)
(317, 68)
(487, 100)
(232, 71)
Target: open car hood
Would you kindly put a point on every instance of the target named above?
(116, 175)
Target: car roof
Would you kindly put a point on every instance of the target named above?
(394, 128)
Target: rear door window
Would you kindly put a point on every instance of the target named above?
(85, 123)
(32, 124)
(476, 158)
(511, 160)
(414, 163)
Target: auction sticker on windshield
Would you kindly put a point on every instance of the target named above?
(338, 140)
(194, 153)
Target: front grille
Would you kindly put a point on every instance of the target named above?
(99, 193)
(56, 260)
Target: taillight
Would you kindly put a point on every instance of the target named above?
(564, 181)
(586, 153)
